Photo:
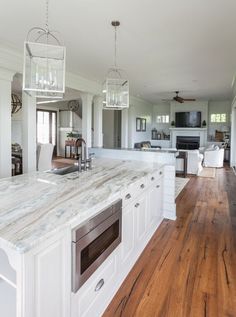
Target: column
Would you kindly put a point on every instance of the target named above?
(124, 128)
(5, 122)
(29, 132)
(87, 100)
(98, 135)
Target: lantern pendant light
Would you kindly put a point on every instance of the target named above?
(116, 86)
(44, 63)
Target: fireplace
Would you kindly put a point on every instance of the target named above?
(187, 142)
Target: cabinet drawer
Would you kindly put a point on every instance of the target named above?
(151, 179)
(93, 292)
(135, 190)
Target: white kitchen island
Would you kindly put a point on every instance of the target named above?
(38, 212)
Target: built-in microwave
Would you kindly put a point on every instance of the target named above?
(94, 241)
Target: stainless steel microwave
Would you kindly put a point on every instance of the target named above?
(94, 241)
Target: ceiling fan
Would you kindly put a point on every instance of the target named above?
(180, 99)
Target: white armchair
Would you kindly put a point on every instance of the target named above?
(194, 162)
(44, 156)
(214, 157)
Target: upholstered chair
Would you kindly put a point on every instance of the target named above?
(214, 157)
(44, 156)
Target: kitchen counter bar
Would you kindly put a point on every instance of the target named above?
(34, 206)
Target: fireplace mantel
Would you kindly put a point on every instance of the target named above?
(201, 132)
(188, 129)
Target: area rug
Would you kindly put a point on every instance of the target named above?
(180, 183)
(209, 172)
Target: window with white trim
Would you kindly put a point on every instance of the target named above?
(218, 117)
(163, 119)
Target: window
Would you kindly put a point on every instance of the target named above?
(163, 119)
(218, 117)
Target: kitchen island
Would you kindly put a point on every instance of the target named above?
(38, 213)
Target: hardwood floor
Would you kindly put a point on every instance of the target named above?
(189, 267)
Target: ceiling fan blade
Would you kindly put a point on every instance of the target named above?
(178, 99)
(189, 99)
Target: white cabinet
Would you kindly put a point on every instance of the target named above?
(155, 209)
(128, 234)
(91, 297)
(134, 229)
(140, 212)
(41, 287)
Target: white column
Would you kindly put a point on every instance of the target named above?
(124, 128)
(98, 135)
(5, 122)
(29, 132)
(87, 118)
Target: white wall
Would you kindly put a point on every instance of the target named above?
(218, 107)
(161, 109)
(139, 109)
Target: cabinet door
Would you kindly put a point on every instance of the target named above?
(52, 281)
(128, 224)
(155, 213)
(140, 210)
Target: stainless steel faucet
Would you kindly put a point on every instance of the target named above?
(83, 160)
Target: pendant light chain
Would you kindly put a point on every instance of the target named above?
(115, 61)
(46, 21)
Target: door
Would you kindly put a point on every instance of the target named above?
(47, 127)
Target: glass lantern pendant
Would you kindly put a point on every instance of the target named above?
(116, 86)
(44, 63)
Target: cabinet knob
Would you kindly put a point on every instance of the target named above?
(99, 285)
(142, 186)
(160, 173)
(153, 178)
(157, 186)
(128, 196)
(137, 205)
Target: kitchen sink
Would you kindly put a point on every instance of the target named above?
(64, 170)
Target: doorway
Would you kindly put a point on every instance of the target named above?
(111, 129)
(47, 128)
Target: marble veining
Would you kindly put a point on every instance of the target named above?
(34, 206)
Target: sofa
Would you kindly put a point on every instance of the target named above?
(145, 145)
(214, 157)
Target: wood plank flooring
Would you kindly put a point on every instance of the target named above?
(188, 268)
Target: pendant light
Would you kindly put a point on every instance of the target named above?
(44, 62)
(116, 87)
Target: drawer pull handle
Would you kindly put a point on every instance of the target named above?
(157, 186)
(160, 173)
(99, 285)
(128, 196)
(153, 178)
(142, 186)
(137, 205)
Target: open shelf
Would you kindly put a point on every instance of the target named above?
(7, 273)
(7, 299)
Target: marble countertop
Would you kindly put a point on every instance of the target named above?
(151, 149)
(35, 206)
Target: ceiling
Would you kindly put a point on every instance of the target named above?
(163, 45)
